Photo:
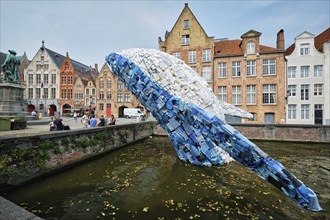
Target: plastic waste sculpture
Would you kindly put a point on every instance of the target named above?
(195, 127)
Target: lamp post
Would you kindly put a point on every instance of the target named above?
(90, 104)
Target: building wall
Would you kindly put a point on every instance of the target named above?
(313, 58)
(32, 70)
(66, 71)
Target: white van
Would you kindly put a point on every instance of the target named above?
(133, 112)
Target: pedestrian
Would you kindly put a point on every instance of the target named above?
(58, 123)
(75, 116)
(93, 121)
(101, 121)
(112, 120)
(85, 120)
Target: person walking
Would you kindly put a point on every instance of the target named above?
(85, 120)
(75, 116)
(58, 123)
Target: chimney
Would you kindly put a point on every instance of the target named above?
(96, 67)
(280, 40)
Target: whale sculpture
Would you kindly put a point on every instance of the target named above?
(199, 136)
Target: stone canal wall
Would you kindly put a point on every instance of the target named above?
(28, 157)
(278, 132)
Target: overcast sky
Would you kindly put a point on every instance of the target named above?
(90, 30)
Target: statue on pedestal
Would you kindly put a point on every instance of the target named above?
(10, 68)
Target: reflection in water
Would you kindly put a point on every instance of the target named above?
(147, 181)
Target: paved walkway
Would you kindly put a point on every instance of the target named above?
(42, 125)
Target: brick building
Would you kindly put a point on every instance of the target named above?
(242, 72)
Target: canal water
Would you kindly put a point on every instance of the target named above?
(147, 181)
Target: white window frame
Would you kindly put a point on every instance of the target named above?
(251, 68)
(206, 73)
(269, 94)
(222, 70)
(269, 67)
(177, 55)
(304, 71)
(192, 56)
(292, 111)
(318, 89)
(206, 56)
(318, 70)
(304, 49)
(292, 71)
(185, 39)
(236, 69)
(305, 111)
(304, 92)
(185, 24)
(236, 95)
(222, 93)
(292, 90)
(251, 48)
(251, 97)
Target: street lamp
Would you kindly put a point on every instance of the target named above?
(90, 104)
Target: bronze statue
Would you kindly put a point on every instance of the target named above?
(10, 68)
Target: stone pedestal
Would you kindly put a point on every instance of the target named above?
(11, 100)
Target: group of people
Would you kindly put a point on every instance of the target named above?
(90, 121)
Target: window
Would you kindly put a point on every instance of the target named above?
(185, 39)
(70, 80)
(269, 94)
(93, 91)
(222, 70)
(69, 93)
(292, 72)
(119, 97)
(109, 84)
(304, 111)
(206, 55)
(38, 78)
(292, 90)
(304, 49)
(109, 95)
(192, 56)
(101, 95)
(101, 84)
(46, 79)
(292, 111)
(63, 94)
(304, 92)
(185, 24)
(38, 92)
(236, 95)
(46, 66)
(63, 79)
(206, 73)
(108, 105)
(269, 67)
(304, 71)
(318, 70)
(177, 55)
(53, 79)
(45, 95)
(318, 89)
(251, 94)
(53, 93)
(87, 92)
(251, 48)
(222, 93)
(127, 97)
(101, 107)
(251, 68)
(120, 86)
(236, 69)
(30, 79)
(30, 93)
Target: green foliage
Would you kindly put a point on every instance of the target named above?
(57, 150)
(46, 145)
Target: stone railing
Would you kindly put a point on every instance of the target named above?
(25, 158)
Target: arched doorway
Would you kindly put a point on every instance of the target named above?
(121, 111)
(30, 108)
(66, 110)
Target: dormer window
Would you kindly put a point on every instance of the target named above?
(185, 24)
(185, 39)
(251, 48)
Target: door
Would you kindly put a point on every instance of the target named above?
(269, 118)
(318, 114)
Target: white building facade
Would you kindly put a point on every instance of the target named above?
(308, 80)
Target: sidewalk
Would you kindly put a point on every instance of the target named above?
(42, 125)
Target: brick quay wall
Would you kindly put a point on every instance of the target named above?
(27, 158)
(278, 132)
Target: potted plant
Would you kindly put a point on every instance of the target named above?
(15, 123)
(4, 124)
